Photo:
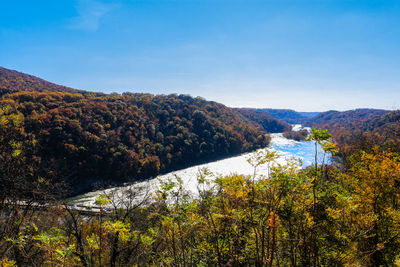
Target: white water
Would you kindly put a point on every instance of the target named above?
(286, 148)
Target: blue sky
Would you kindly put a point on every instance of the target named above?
(304, 55)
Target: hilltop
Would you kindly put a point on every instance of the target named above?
(345, 118)
(264, 121)
(289, 115)
(12, 81)
(85, 138)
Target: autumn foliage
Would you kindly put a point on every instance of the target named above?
(344, 214)
(86, 138)
(317, 216)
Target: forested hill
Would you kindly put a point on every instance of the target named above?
(388, 124)
(88, 138)
(290, 116)
(348, 118)
(263, 121)
(13, 81)
(362, 130)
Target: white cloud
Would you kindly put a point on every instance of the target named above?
(90, 13)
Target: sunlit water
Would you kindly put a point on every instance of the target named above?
(286, 148)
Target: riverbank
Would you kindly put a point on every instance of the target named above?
(286, 148)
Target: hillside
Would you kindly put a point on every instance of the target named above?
(13, 81)
(350, 118)
(88, 138)
(263, 121)
(361, 130)
(289, 116)
(382, 132)
(387, 124)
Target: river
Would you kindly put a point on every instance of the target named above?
(286, 148)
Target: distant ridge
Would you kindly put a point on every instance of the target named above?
(289, 115)
(345, 118)
(263, 121)
(12, 81)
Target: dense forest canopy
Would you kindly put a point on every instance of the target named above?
(348, 118)
(263, 121)
(319, 216)
(84, 138)
(361, 130)
(13, 81)
(344, 214)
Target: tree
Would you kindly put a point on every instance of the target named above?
(373, 211)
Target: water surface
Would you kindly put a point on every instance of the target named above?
(286, 148)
